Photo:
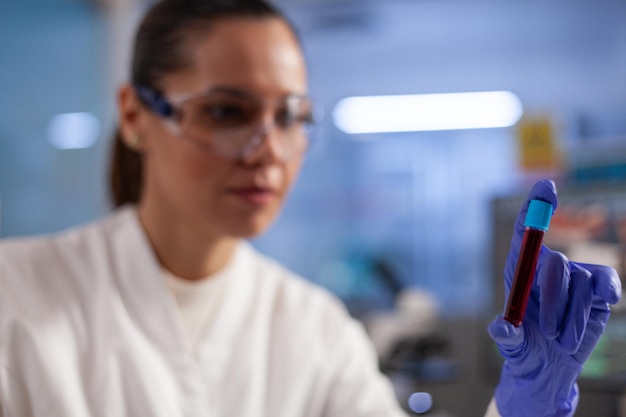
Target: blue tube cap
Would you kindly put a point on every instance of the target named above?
(539, 215)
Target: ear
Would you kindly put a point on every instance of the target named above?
(130, 113)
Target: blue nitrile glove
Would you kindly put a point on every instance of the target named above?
(565, 316)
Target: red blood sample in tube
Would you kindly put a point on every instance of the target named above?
(537, 221)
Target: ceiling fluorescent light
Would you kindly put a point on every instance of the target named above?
(73, 130)
(425, 112)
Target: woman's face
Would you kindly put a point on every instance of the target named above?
(207, 192)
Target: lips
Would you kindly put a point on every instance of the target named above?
(252, 194)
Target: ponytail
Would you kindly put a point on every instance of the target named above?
(125, 174)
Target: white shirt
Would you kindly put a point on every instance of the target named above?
(88, 328)
(198, 301)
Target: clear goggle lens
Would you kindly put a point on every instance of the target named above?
(234, 124)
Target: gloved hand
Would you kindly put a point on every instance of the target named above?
(565, 316)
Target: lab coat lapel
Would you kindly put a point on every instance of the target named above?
(148, 302)
(140, 281)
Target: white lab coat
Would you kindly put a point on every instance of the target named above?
(88, 328)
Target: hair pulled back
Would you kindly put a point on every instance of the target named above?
(159, 50)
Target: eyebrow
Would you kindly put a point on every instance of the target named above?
(230, 91)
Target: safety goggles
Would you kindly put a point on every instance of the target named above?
(232, 123)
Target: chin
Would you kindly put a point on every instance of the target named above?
(249, 228)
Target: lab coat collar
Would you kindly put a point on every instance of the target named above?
(141, 284)
(149, 302)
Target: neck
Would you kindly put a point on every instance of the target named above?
(182, 250)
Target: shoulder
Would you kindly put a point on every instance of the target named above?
(31, 250)
(299, 307)
(309, 320)
(290, 289)
(35, 265)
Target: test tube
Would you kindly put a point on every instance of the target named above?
(536, 223)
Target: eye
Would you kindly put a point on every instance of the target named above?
(295, 113)
(223, 111)
(285, 118)
(224, 114)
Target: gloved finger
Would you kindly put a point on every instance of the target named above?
(607, 285)
(544, 190)
(579, 309)
(607, 289)
(595, 326)
(553, 281)
(510, 339)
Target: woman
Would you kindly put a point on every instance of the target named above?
(161, 309)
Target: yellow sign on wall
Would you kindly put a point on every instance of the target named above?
(538, 149)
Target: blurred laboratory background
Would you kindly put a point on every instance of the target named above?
(404, 214)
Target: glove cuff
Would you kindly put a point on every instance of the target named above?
(552, 393)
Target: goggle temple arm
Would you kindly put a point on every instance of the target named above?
(154, 100)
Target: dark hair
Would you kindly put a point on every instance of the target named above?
(160, 50)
